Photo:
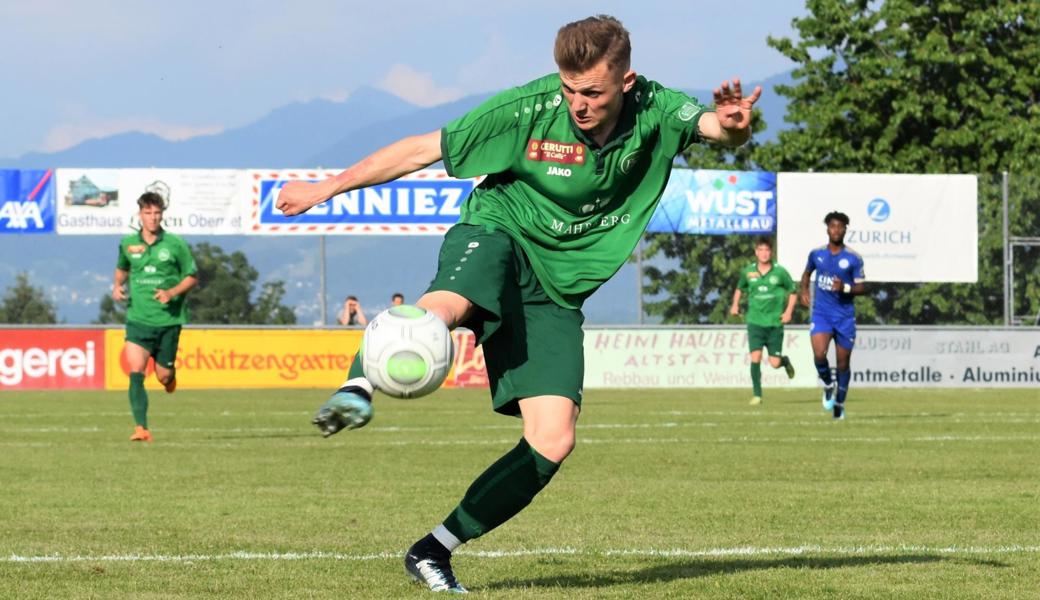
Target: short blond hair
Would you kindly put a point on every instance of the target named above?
(583, 44)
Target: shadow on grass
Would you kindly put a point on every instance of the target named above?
(692, 569)
(263, 436)
(909, 416)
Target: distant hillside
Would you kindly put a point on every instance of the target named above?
(282, 138)
(359, 142)
(319, 133)
(76, 271)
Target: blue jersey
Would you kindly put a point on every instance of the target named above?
(846, 265)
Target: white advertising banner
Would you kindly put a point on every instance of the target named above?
(947, 358)
(907, 228)
(687, 358)
(104, 201)
(883, 357)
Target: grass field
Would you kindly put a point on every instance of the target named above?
(679, 494)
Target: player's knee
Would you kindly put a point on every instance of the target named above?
(165, 378)
(555, 444)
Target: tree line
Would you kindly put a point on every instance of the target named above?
(227, 294)
(901, 86)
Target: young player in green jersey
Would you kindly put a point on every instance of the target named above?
(576, 162)
(160, 270)
(771, 298)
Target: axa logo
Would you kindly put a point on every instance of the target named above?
(20, 214)
(878, 210)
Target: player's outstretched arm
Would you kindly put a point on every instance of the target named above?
(386, 164)
(730, 124)
(803, 288)
(788, 314)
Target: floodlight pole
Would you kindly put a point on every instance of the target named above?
(1007, 261)
(639, 278)
(324, 307)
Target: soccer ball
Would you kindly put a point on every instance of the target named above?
(406, 351)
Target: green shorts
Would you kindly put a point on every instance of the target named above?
(532, 346)
(772, 338)
(160, 342)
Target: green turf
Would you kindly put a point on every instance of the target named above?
(919, 494)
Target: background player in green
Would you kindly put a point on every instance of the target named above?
(160, 270)
(771, 299)
(576, 163)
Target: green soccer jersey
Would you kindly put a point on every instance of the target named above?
(767, 294)
(576, 209)
(161, 265)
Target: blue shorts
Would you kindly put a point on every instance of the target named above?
(842, 329)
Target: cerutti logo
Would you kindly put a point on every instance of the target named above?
(878, 210)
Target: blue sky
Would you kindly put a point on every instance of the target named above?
(77, 70)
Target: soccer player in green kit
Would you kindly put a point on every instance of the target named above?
(575, 164)
(160, 269)
(771, 299)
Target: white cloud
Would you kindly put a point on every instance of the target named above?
(416, 87)
(335, 95)
(66, 135)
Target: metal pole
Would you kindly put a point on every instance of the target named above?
(639, 278)
(324, 306)
(1007, 261)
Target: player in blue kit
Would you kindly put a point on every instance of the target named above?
(839, 277)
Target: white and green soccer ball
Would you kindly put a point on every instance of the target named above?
(406, 351)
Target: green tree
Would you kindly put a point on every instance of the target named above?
(269, 308)
(25, 304)
(225, 289)
(110, 311)
(920, 86)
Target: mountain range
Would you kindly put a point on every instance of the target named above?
(75, 271)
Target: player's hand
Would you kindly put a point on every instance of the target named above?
(734, 310)
(785, 318)
(163, 296)
(118, 293)
(837, 284)
(297, 197)
(803, 297)
(732, 108)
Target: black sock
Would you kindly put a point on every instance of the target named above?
(430, 547)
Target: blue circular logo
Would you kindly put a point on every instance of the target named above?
(878, 210)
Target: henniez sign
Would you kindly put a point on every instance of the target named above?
(424, 203)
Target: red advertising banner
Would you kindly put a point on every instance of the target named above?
(468, 371)
(45, 359)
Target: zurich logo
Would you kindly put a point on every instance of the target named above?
(878, 210)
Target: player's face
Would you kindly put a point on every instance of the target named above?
(595, 97)
(764, 253)
(836, 232)
(151, 218)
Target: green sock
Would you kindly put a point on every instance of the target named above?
(502, 491)
(756, 378)
(139, 399)
(355, 367)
